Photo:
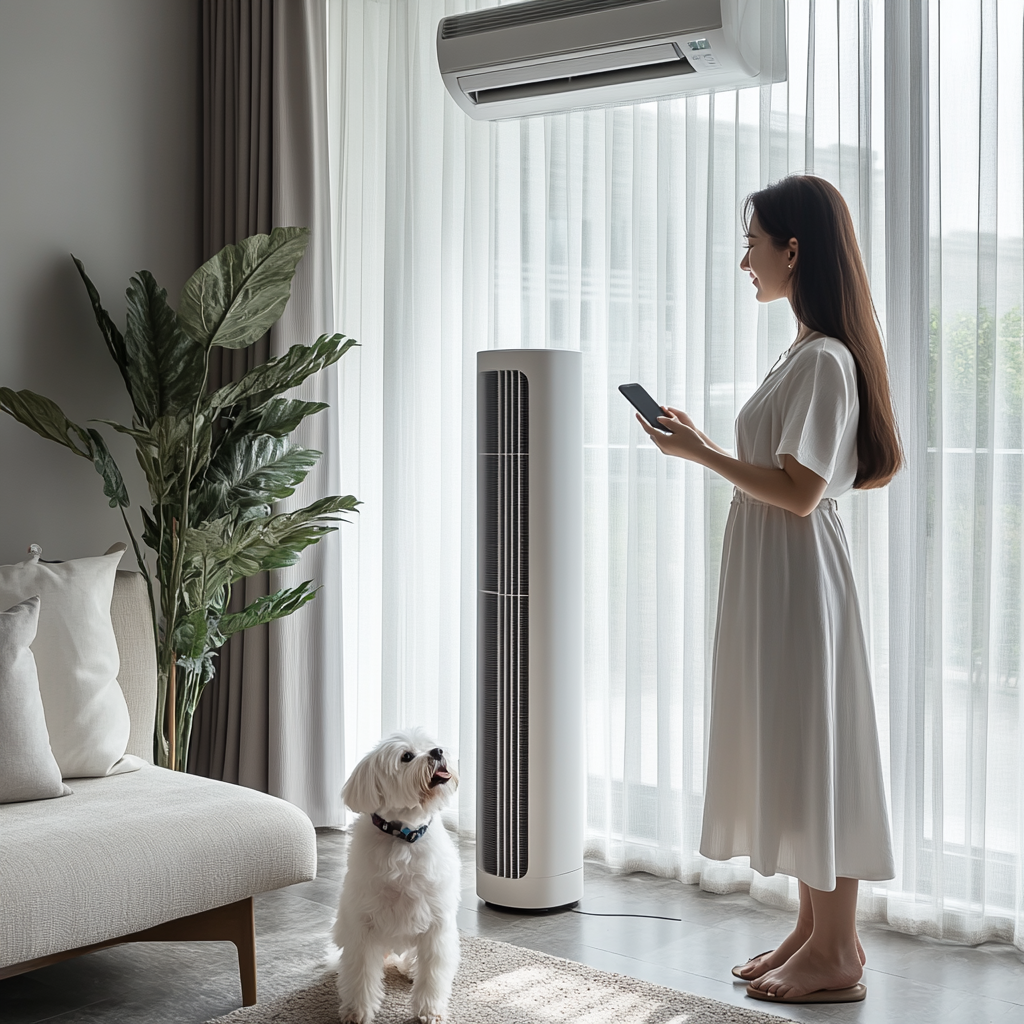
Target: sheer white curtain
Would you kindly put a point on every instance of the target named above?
(957, 262)
(617, 232)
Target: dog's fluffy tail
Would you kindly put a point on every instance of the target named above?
(404, 963)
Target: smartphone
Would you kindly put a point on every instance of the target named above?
(645, 405)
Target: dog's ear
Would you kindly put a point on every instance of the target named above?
(362, 792)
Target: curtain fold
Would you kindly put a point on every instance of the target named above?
(272, 718)
(306, 749)
(617, 232)
(907, 247)
(230, 731)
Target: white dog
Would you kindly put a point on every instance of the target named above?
(401, 891)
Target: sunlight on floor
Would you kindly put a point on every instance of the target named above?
(547, 993)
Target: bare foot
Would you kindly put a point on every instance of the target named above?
(810, 969)
(778, 956)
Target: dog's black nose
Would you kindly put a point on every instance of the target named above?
(437, 753)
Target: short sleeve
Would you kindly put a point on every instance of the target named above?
(818, 402)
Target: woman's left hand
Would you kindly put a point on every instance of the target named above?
(683, 441)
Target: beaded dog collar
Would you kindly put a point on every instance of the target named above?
(396, 828)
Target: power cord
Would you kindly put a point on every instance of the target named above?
(652, 917)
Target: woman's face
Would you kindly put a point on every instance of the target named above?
(769, 268)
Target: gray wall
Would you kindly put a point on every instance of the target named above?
(99, 156)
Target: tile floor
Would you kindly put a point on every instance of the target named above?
(910, 980)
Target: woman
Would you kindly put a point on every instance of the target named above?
(794, 778)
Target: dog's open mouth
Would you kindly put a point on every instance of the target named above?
(440, 777)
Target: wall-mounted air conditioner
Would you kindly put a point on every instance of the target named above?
(544, 56)
(530, 813)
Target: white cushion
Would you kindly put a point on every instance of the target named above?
(27, 768)
(133, 627)
(76, 656)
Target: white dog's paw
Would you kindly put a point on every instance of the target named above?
(355, 1015)
(429, 1012)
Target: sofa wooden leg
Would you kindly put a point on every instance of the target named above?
(235, 923)
(246, 946)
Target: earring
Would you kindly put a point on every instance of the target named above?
(790, 266)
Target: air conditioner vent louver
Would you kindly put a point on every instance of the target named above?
(524, 14)
(595, 80)
(504, 679)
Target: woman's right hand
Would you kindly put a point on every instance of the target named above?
(682, 417)
(688, 422)
(681, 440)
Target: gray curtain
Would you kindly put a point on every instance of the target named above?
(230, 732)
(271, 718)
(306, 761)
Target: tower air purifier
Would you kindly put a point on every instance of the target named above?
(530, 813)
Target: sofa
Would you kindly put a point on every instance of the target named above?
(150, 855)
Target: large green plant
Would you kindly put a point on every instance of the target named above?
(215, 460)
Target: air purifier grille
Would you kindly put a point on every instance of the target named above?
(504, 677)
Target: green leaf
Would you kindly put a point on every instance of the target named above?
(198, 672)
(166, 368)
(168, 441)
(269, 379)
(235, 297)
(280, 416)
(141, 434)
(266, 609)
(226, 550)
(277, 418)
(45, 418)
(251, 472)
(113, 484)
(150, 530)
(111, 335)
(287, 535)
(191, 634)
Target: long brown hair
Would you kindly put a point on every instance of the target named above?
(829, 294)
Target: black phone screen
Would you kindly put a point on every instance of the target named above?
(645, 405)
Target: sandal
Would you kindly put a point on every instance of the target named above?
(853, 994)
(736, 970)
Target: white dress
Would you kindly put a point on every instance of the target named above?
(794, 778)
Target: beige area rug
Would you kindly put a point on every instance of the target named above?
(499, 983)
